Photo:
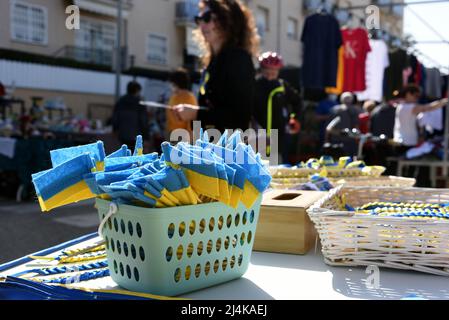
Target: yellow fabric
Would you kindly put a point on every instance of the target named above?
(166, 200)
(78, 192)
(340, 73)
(236, 194)
(250, 194)
(122, 292)
(99, 166)
(182, 97)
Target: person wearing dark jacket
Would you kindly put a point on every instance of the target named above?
(277, 103)
(130, 119)
(228, 35)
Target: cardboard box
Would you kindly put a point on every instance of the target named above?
(284, 225)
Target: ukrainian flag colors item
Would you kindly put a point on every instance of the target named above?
(138, 150)
(122, 152)
(64, 183)
(95, 150)
(202, 174)
(123, 163)
(229, 172)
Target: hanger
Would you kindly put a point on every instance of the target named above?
(322, 8)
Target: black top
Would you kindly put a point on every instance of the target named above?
(130, 119)
(283, 104)
(394, 79)
(229, 91)
(321, 38)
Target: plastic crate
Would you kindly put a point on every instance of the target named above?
(171, 251)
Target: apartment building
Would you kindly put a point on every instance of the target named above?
(40, 56)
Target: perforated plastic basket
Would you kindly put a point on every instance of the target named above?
(171, 251)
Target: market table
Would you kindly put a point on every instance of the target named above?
(285, 277)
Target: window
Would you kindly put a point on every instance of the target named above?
(96, 35)
(157, 49)
(262, 20)
(292, 28)
(95, 42)
(29, 23)
(398, 10)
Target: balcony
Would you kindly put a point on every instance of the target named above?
(186, 12)
(87, 55)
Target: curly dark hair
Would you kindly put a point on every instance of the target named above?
(238, 24)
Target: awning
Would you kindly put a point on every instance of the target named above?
(107, 8)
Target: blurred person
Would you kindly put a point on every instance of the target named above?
(180, 81)
(406, 132)
(345, 116)
(323, 113)
(277, 103)
(130, 118)
(365, 116)
(227, 34)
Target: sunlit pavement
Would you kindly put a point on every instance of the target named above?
(24, 229)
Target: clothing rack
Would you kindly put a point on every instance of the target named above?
(337, 6)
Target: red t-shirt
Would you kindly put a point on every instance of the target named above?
(356, 44)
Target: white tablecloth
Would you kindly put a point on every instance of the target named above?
(291, 277)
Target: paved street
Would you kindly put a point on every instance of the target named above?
(24, 229)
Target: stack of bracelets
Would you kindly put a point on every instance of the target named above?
(95, 268)
(404, 210)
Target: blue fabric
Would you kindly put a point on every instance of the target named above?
(234, 140)
(189, 160)
(46, 252)
(256, 174)
(139, 146)
(127, 191)
(53, 181)
(169, 178)
(20, 289)
(95, 150)
(122, 152)
(123, 163)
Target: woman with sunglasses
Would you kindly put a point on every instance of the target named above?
(228, 36)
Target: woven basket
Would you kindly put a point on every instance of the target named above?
(383, 181)
(408, 244)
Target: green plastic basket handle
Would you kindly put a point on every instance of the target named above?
(113, 208)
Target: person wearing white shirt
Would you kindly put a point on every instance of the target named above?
(405, 127)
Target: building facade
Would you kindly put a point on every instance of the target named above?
(156, 38)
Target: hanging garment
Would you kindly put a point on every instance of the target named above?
(433, 83)
(376, 63)
(414, 64)
(321, 39)
(357, 46)
(340, 74)
(393, 74)
(406, 73)
(444, 86)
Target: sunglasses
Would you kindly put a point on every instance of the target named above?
(206, 17)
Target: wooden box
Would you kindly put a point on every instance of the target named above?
(284, 225)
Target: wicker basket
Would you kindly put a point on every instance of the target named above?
(350, 240)
(383, 181)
